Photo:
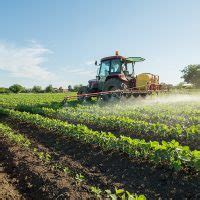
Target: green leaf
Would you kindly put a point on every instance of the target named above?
(119, 191)
(197, 164)
(113, 196)
(176, 165)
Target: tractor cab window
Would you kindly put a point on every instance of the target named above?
(127, 68)
(115, 66)
(104, 70)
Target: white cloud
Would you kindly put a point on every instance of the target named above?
(25, 62)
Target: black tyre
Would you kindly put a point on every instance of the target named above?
(135, 95)
(143, 95)
(83, 90)
(112, 85)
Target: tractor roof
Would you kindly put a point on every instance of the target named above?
(128, 60)
(112, 57)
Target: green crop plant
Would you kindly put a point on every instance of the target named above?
(123, 195)
(15, 137)
(66, 170)
(96, 191)
(79, 178)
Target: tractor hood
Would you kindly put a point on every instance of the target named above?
(93, 83)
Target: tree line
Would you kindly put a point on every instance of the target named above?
(17, 88)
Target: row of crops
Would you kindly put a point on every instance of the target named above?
(162, 134)
(12, 100)
(121, 125)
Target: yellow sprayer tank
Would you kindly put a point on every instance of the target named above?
(146, 78)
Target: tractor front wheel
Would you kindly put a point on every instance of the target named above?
(83, 90)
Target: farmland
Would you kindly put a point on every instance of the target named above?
(140, 149)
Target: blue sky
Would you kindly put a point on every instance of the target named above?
(56, 42)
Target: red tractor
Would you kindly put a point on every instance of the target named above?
(116, 78)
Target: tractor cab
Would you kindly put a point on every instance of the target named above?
(117, 67)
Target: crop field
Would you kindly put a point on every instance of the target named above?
(135, 150)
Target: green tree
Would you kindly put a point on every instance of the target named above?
(77, 87)
(191, 74)
(37, 89)
(70, 88)
(27, 90)
(49, 89)
(16, 88)
(60, 89)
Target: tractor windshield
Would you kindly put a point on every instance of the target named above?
(115, 66)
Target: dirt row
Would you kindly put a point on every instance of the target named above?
(33, 179)
(7, 185)
(111, 169)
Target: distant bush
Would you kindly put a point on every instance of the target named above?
(77, 87)
(16, 88)
(37, 89)
(50, 89)
(4, 90)
(70, 88)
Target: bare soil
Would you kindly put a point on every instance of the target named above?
(35, 179)
(7, 186)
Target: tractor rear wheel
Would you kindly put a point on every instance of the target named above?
(112, 85)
